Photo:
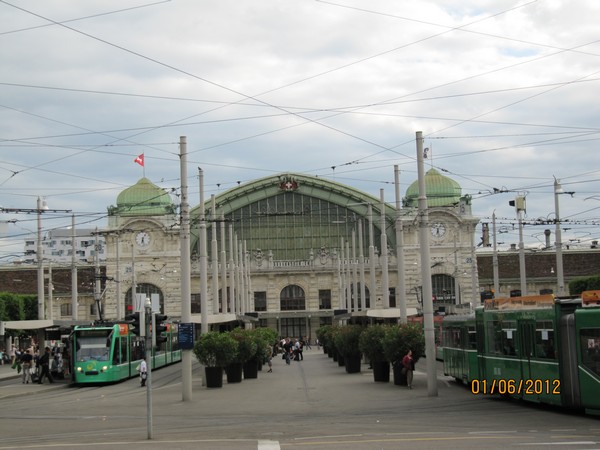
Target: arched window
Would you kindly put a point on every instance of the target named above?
(292, 298)
(443, 289)
(147, 290)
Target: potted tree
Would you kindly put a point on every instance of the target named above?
(371, 345)
(346, 342)
(247, 346)
(266, 338)
(398, 340)
(322, 336)
(215, 351)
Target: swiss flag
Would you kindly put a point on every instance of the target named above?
(140, 160)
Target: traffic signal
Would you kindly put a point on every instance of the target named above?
(134, 323)
(161, 326)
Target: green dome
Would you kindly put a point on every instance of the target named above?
(440, 191)
(143, 199)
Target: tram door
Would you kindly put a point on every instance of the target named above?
(526, 346)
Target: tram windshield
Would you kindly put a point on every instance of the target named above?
(92, 345)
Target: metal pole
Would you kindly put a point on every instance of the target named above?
(401, 282)
(74, 286)
(185, 282)
(355, 292)
(224, 294)
(40, 262)
(385, 285)
(149, 318)
(522, 271)
(495, 258)
(558, 244)
(214, 256)
(427, 295)
(372, 274)
(203, 259)
(361, 264)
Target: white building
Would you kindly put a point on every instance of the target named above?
(57, 246)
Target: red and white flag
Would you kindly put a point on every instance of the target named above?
(140, 160)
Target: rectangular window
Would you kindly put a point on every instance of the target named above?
(66, 309)
(324, 298)
(196, 309)
(260, 301)
(392, 297)
(544, 339)
(590, 349)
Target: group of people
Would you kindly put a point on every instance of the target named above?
(293, 351)
(35, 364)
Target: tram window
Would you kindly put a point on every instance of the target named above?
(544, 340)
(590, 349)
(117, 352)
(494, 335)
(472, 344)
(456, 338)
(508, 343)
(92, 348)
(508, 338)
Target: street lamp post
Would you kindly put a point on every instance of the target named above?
(41, 206)
(558, 244)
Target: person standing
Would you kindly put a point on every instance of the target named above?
(143, 372)
(44, 363)
(26, 360)
(408, 367)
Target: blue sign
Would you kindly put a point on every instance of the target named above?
(186, 336)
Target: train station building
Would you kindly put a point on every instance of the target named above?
(293, 252)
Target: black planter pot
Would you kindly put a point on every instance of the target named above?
(352, 363)
(234, 372)
(381, 371)
(341, 360)
(335, 356)
(399, 377)
(251, 369)
(214, 377)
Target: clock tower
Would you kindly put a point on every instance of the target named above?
(143, 248)
(451, 240)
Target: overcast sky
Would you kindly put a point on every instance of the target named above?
(506, 93)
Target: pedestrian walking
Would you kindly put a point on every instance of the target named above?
(143, 372)
(408, 367)
(26, 362)
(44, 363)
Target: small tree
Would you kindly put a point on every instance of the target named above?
(346, 340)
(215, 349)
(265, 339)
(370, 343)
(247, 345)
(399, 339)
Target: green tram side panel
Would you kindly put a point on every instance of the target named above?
(460, 354)
(514, 359)
(587, 322)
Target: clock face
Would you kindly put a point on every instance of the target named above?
(142, 239)
(438, 230)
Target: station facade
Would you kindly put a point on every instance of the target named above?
(292, 251)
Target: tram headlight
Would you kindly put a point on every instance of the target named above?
(79, 369)
(104, 368)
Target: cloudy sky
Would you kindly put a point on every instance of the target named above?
(504, 91)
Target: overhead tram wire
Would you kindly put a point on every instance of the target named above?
(169, 66)
(189, 74)
(93, 16)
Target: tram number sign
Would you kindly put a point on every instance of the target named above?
(186, 336)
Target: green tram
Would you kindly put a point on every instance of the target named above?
(536, 348)
(108, 353)
(459, 347)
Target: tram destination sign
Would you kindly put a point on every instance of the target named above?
(186, 336)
